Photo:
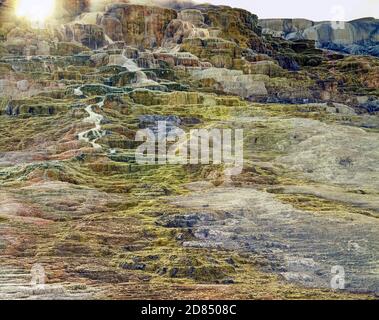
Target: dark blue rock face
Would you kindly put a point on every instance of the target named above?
(370, 106)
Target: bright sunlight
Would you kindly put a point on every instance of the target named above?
(35, 10)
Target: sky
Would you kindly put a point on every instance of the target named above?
(316, 10)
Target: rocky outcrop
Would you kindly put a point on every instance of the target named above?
(179, 30)
(231, 82)
(24, 41)
(68, 49)
(193, 16)
(282, 27)
(266, 67)
(185, 59)
(236, 25)
(147, 97)
(354, 37)
(219, 52)
(151, 98)
(112, 27)
(142, 26)
(90, 35)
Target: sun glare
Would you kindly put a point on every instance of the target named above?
(35, 10)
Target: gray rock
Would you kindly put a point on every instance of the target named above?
(354, 37)
(249, 220)
(23, 85)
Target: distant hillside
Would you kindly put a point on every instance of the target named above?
(354, 37)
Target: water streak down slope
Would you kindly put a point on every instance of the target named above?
(92, 135)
